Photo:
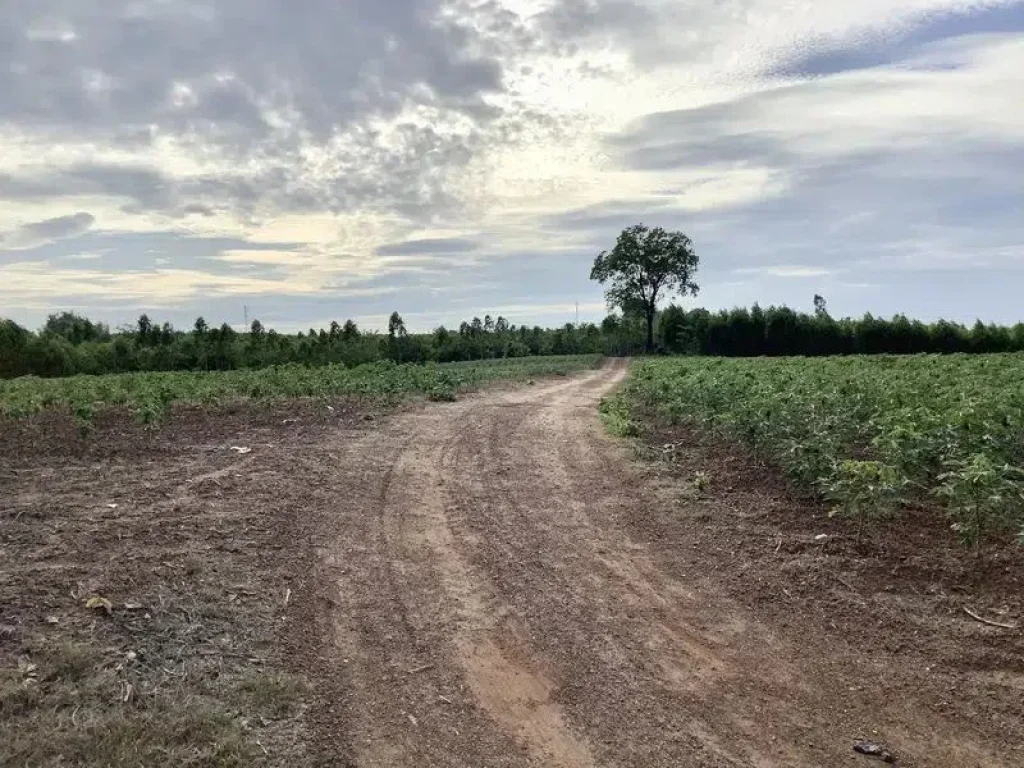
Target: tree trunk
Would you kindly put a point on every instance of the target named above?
(650, 330)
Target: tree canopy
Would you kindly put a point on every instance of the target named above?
(644, 266)
(738, 331)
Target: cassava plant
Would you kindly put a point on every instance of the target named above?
(982, 498)
(867, 491)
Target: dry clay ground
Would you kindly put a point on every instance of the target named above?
(492, 582)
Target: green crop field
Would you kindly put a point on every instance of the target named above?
(868, 433)
(148, 395)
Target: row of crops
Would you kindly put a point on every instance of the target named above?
(149, 395)
(868, 433)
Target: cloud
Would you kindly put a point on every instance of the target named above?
(615, 215)
(244, 110)
(891, 47)
(438, 245)
(41, 232)
(37, 282)
(267, 257)
(821, 118)
(197, 209)
(235, 70)
(138, 189)
(784, 270)
(255, 149)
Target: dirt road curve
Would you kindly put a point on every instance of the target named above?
(487, 602)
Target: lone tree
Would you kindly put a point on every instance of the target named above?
(820, 306)
(396, 336)
(644, 266)
(396, 326)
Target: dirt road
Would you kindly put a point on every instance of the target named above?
(487, 595)
(491, 582)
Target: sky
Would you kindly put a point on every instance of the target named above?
(300, 162)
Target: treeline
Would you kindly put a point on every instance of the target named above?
(69, 344)
(782, 331)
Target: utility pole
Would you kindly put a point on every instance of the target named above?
(577, 314)
(245, 317)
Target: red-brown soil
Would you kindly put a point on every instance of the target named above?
(496, 582)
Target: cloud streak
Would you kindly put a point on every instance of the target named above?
(438, 245)
(39, 233)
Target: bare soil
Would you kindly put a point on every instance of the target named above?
(490, 582)
(192, 552)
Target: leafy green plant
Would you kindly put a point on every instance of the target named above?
(615, 415)
(982, 498)
(84, 413)
(867, 491)
(442, 393)
(150, 395)
(904, 421)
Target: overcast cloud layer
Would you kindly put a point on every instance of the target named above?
(328, 159)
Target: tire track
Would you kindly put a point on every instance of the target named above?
(491, 608)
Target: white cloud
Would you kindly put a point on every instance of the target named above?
(33, 284)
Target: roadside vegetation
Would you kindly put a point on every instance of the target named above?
(149, 395)
(869, 434)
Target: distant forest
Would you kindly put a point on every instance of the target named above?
(69, 344)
